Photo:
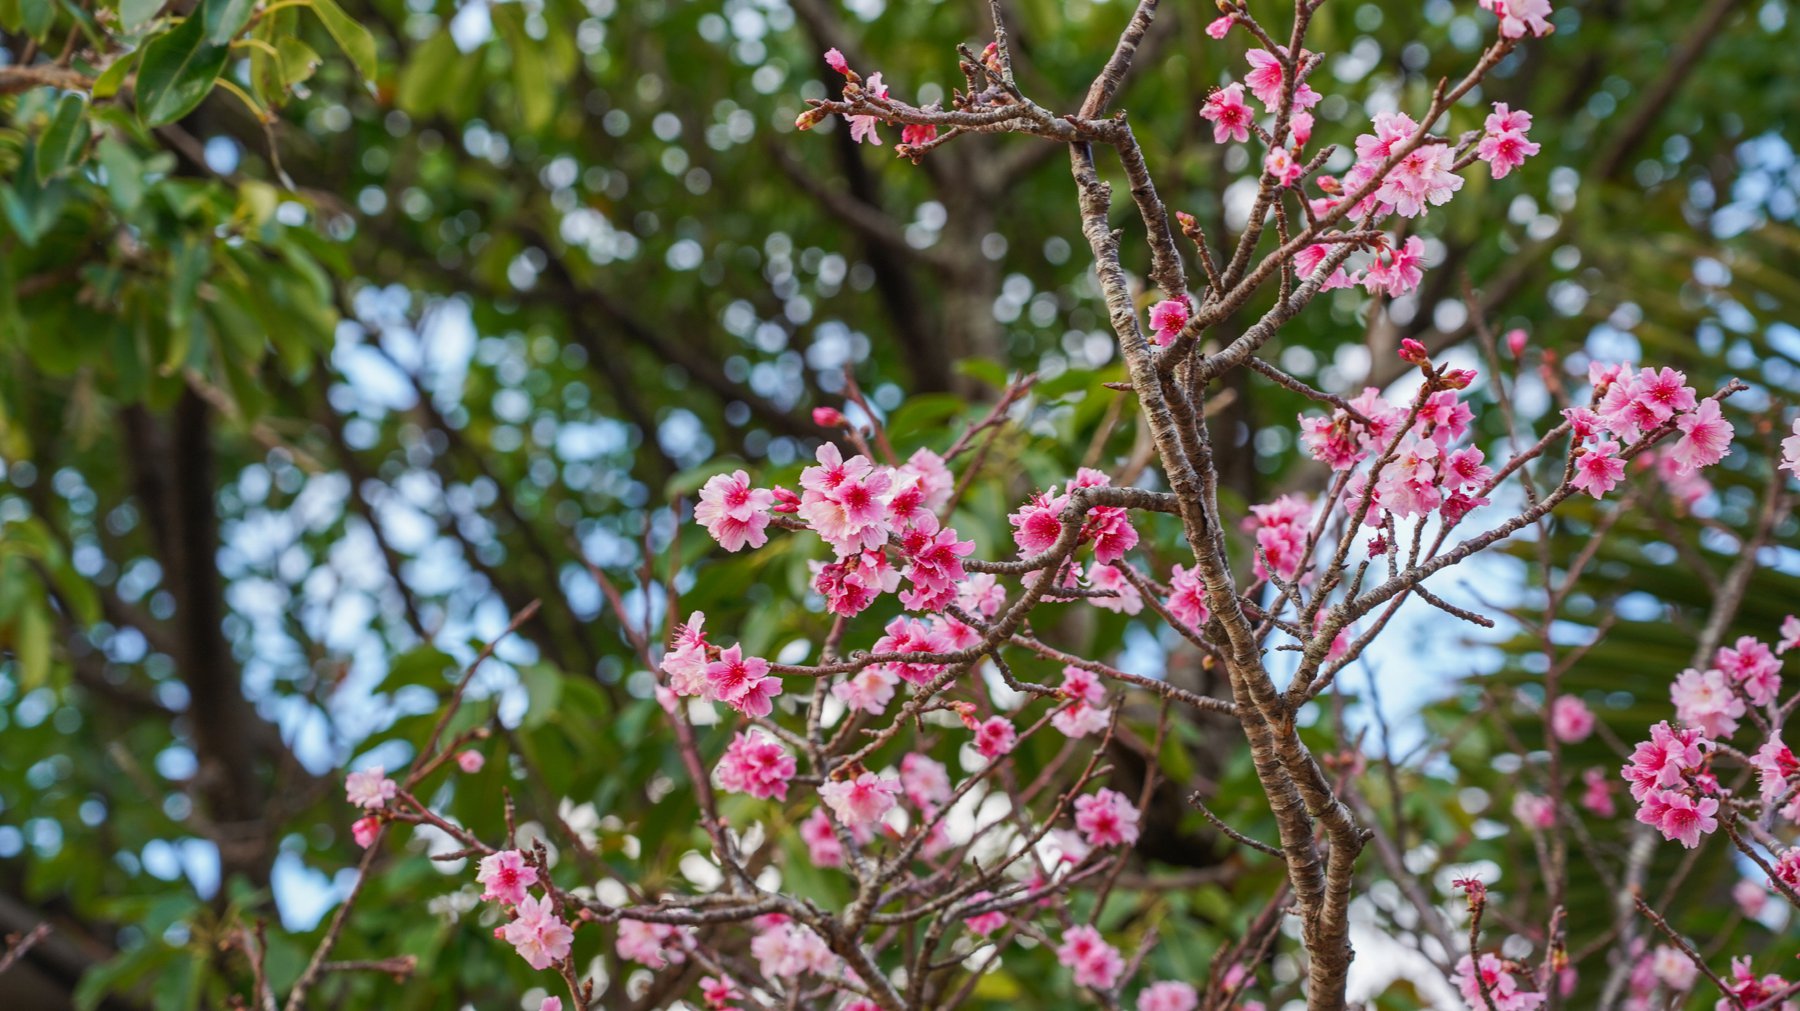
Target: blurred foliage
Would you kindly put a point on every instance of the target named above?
(334, 335)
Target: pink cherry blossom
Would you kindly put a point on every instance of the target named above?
(1705, 437)
(1705, 699)
(1518, 17)
(1226, 111)
(1570, 719)
(835, 60)
(908, 635)
(1751, 898)
(1504, 145)
(1166, 320)
(925, 781)
(734, 513)
(1081, 719)
(655, 945)
(370, 789)
(1790, 634)
(1790, 451)
(1408, 486)
(863, 127)
(686, 662)
(1168, 995)
(1599, 469)
(1596, 793)
(1661, 762)
(822, 842)
(851, 583)
(1423, 178)
(916, 134)
(1775, 765)
(995, 737)
(1681, 818)
(860, 801)
(926, 471)
(1282, 166)
(756, 764)
(868, 690)
(1673, 968)
(1498, 983)
(1106, 818)
(504, 876)
(1753, 667)
(537, 933)
(1391, 128)
(364, 830)
(1037, 524)
(1396, 271)
(1187, 598)
(1109, 577)
(1534, 810)
(742, 682)
(933, 564)
(1217, 27)
(786, 950)
(470, 761)
(1096, 963)
(984, 923)
(1265, 81)
(550, 1004)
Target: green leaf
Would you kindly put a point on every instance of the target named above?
(426, 665)
(423, 84)
(543, 686)
(225, 18)
(113, 77)
(30, 208)
(39, 16)
(124, 174)
(31, 647)
(351, 37)
(65, 141)
(298, 61)
(136, 13)
(532, 86)
(178, 72)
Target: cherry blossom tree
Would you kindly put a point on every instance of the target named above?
(891, 743)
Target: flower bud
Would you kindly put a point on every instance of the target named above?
(1414, 352)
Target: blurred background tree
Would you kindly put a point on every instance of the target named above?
(335, 335)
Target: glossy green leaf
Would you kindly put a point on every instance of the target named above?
(113, 77)
(177, 73)
(225, 18)
(351, 37)
(64, 142)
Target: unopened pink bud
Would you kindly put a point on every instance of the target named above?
(1414, 352)
(1459, 379)
(828, 417)
(1515, 342)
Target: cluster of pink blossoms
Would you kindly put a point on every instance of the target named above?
(1746, 674)
(1096, 963)
(1669, 782)
(1492, 979)
(756, 764)
(1106, 818)
(653, 945)
(1677, 793)
(535, 931)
